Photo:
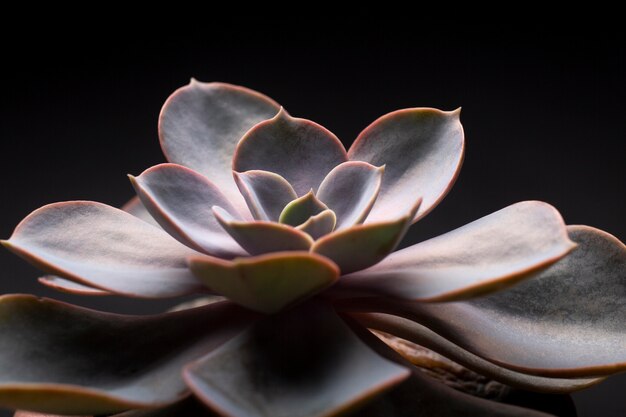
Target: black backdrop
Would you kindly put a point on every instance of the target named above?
(543, 115)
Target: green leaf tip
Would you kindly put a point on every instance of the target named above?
(301, 209)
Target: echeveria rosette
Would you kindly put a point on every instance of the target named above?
(297, 234)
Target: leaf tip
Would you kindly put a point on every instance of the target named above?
(415, 207)
(132, 179)
(240, 181)
(282, 113)
(571, 245)
(219, 212)
(282, 116)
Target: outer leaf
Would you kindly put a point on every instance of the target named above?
(180, 199)
(362, 246)
(422, 149)
(301, 210)
(416, 333)
(320, 224)
(265, 193)
(422, 396)
(483, 256)
(350, 190)
(567, 322)
(302, 363)
(63, 359)
(135, 207)
(201, 123)
(299, 150)
(266, 283)
(106, 248)
(70, 287)
(263, 237)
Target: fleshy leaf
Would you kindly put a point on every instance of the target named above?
(301, 209)
(62, 359)
(422, 149)
(266, 283)
(299, 150)
(180, 199)
(567, 322)
(70, 287)
(416, 333)
(106, 248)
(301, 363)
(320, 224)
(266, 193)
(363, 245)
(201, 123)
(486, 255)
(135, 207)
(422, 396)
(350, 190)
(261, 237)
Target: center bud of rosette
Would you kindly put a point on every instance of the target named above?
(282, 221)
(283, 234)
(310, 215)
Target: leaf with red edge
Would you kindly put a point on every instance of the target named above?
(299, 150)
(266, 193)
(486, 255)
(422, 149)
(261, 237)
(350, 190)
(70, 287)
(421, 335)
(105, 248)
(422, 396)
(567, 322)
(266, 283)
(201, 123)
(363, 245)
(320, 224)
(180, 199)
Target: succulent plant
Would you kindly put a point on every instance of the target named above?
(296, 236)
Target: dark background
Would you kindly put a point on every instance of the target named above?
(543, 114)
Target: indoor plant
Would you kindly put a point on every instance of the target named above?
(271, 212)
